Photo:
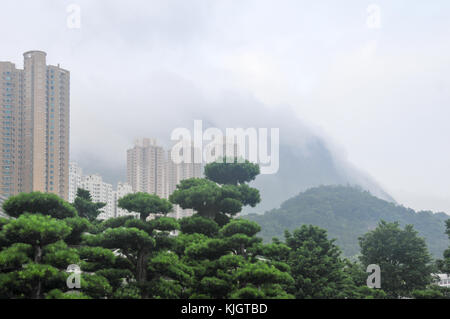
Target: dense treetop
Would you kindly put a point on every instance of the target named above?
(347, 213)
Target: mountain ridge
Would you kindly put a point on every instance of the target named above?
(348, 212)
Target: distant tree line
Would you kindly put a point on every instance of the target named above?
(209, 255)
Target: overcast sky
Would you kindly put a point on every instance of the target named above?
(380, 94)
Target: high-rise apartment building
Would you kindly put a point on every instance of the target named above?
(100, 192)
(2, 213)
(145, 167)
(75, 175)
(122, 190)
(150, 170)
(176, 172)
(34, 105)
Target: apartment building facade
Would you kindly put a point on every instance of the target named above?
(122, 190)
(35, 111)
(146, 167)
(100, 191)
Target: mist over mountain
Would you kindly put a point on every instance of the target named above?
(310, 166)
(308, 157)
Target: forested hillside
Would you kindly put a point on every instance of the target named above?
(347, 213)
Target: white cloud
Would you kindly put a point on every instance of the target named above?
(382, 94)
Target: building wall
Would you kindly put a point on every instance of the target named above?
(36, 132)
(175, 173)
(75, 174)
(35, 121)
(145, 167)
(122, 190)
(58, 121)
(11, 94)
(100, 192)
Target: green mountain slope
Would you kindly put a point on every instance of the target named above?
(347, 213)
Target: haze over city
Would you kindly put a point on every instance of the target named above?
(378, 95)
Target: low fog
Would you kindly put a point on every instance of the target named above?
(354, 104)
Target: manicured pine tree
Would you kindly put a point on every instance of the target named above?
(144, 244)
(227, 261)
(222, 193)
(41, 242)
(34, 258)
(224, 253)
(85, 207)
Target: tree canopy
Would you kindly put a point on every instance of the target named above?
(401, 255)
(223, 191)
(207, 255)
(145, 204)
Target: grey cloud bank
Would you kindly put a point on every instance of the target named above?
(142, 68)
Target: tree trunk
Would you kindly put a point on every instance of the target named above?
(211, 214)
(38, 290)
(37, 260)
(37, 254)
(141, 273)
(242, 251)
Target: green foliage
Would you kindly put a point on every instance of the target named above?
(231, 171)
(227, 263)
(240, 226)
(347, 213)
(183, 240)
(145, 204)
(35, 256)
(129, 291)
(431, 292)
(96, 258)
(402, 256)
(199, 225)
(84, 205)
(58, 294)
(3, 222)
(221, 193)
(36, 230)
(444, 264)
(115, 277)
(78, 227)
(137, 243)
(38, 203)
(199, 194)
(36, 253)
(95, 286)
(210, 199)
(60, 255)
(260, 273)
(30, 281)
(169, 275)
(315, 263)
(355, 286)
(115, 222)
(3, 241)
(15, 256)
(162, 223)
(208, 255)
(126, 239)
